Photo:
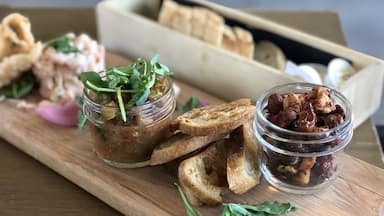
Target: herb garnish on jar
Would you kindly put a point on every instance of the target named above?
(129, 109)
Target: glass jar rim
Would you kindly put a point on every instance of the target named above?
(146, 105)
(347, 107)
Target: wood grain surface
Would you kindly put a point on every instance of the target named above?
(150, 191)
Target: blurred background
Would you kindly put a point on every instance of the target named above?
(361, 22)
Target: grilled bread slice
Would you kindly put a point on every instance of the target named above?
(215, 119)
(179, 145)
(242, 167)
(270, 54)
(203, 176)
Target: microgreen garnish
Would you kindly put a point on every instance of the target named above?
(63, 44)
(20, 87)
(135, 79)
(193, 102)
(191, 211)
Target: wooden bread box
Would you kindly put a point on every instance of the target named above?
(131, 28)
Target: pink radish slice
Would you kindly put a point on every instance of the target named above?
(203, 103)
(59, 114)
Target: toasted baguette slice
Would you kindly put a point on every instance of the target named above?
(245, 42)
(229, 40)
(250, 140)
(203, 175)
(168, 9)
(179, 145)
(215, 119)
(198, 21)
(270, 54)
(242, 167)
(214, 28)
(181, 20)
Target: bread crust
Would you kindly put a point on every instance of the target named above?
(242, 168)
(216, 119)
(202, 174)
(179, 145)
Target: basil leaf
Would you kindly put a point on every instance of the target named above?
(143, 97)
(272, 207)
(155, 59)
(63, 44)
(191, 211)
(93, 78)
(192, 103)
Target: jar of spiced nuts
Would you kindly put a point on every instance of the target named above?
(302, 130)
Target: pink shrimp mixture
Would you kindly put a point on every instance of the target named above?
(58, 73)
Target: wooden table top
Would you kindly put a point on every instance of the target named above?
(28, 187)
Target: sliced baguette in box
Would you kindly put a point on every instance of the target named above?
(225, 74)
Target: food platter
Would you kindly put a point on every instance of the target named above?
(151, 190)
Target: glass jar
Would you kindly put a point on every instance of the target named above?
(300, 162)
(129, 144)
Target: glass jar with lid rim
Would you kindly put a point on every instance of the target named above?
(128, 144)
(300, 162)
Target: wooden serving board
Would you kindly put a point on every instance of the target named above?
(150, 191)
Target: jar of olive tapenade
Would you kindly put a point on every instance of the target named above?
(129, 110)
(302, 129)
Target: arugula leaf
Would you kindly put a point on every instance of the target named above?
(20, 87)
(136, 79)
(264, 209)
(272, 207)
(193, 102)
(63, 44)
(191, 211)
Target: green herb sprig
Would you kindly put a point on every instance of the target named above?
(233, 209)
(63, 44)
(193, 102)
(81, 119)
(191, 211)
(137, 79)
(19, 88)
(264, 209)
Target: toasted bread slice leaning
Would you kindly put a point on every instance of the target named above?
(179, 145)
(202, 176)
(242, 167)
(215, 119)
